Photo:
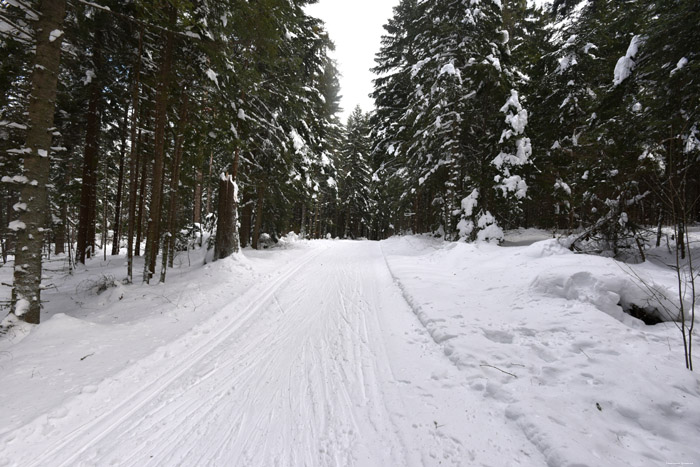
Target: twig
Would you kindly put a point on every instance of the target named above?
(502, 371)
(88, 355)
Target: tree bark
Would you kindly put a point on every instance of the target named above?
(161, 106)
(227, 240)
(26, 293)
(197, 214)
(133, 160)
(246, 220)
(211, 165)
(225, 236)
(120, 185)
(143, 186)
(258, 216)
(88, 192)
(169, 241)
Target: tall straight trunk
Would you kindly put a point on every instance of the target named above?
(227, 240)
(133, 160)
(169, 241)
(317, 214)
(88, 192)
(4, 222)
(105, 226)
(258, 215)
(26, 292)
(120, 185)
(211, 165)
(246, 221)
(197, 213)
(302, 227)
(143, 186)
(161, 106)
(60, 230)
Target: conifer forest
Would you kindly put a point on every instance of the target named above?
(139, 123)
(209, 258)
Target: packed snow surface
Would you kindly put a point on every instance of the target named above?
(406, 352)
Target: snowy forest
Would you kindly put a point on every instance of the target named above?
(493, 266)
(141, 124)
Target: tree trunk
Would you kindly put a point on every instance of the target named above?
(26, 293)
(120, 185)
(60, 231)
(211, 165)
(258, 216)
(169, 241)
(246, 218)
(105, 227)
(88, 192)
(227, 240)
(302, 227)
(197, 214)
(143, 186)
(133, 161)
(162, 91)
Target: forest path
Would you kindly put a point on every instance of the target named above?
(326, 365)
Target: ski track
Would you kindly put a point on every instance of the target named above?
(325, 366)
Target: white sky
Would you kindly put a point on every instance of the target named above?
(355, 26)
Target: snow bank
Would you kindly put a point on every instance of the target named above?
(531, 330)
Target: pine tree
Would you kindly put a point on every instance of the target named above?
(354, 175)
(32, 204)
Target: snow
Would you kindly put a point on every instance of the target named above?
(449, 69)
(211, 74)
(517, 120)
(89, 75)
(55, 34)
(680, 65)
(21, 307)
(410, 352)
(16, 225)
(625, 65)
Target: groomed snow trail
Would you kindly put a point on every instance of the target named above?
(325, 366)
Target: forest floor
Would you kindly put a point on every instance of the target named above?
(405, 352)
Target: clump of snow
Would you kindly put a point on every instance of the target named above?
(17, 225)
(565, 63)
(21, 307)
(562, 185)
(55, 34)
(679, 66)
(489, 229)
(625, 65)
(513, 184)
(89, 75)
(288, 240)
(212, 75)
(516, 115)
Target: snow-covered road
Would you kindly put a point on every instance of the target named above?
(327, 365)
(407, 352)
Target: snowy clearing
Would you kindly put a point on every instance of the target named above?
(409, 351)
